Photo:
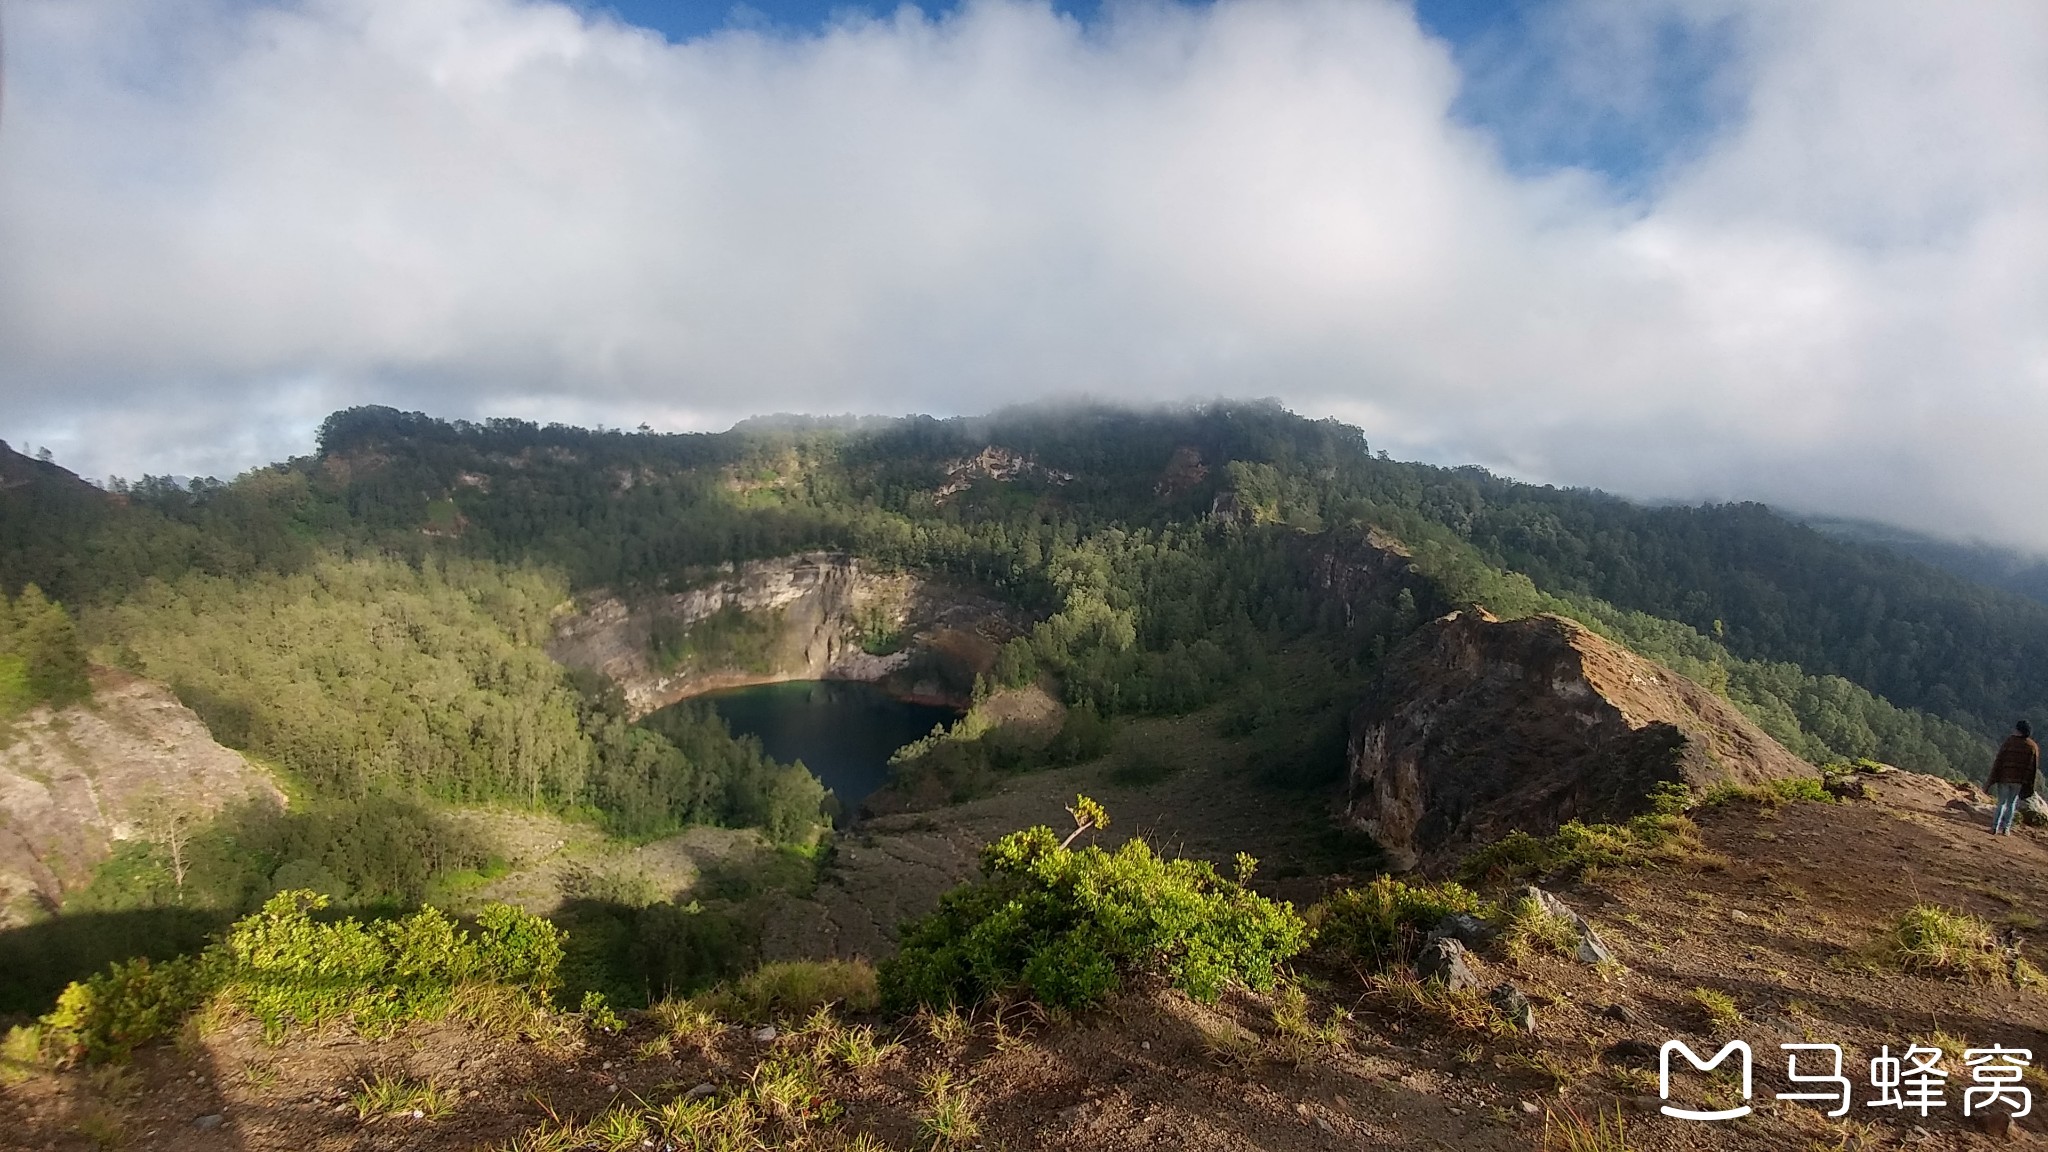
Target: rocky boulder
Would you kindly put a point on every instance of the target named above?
(1479, 726)
(1446, 961)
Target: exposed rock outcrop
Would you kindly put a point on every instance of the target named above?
(1367, 572)
(1480, 726)
(76, 781)
(819, 603)
(999, 464)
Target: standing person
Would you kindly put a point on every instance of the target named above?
(2012, 775)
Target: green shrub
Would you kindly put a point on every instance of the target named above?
(793, 989)
(1662, 835)
(1383, 923)
(598, 1012)
(1770, 794)
(1142, 762)
(1067, 927)
(1084, 735)
(21, 1053)
(288, 968)
(285, 968)
(111, 1014)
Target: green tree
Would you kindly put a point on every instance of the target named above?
(41, 657)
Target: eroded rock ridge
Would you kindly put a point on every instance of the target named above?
(1480, 726)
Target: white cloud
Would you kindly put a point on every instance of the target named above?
(218, 221)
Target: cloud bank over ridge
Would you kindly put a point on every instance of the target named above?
(220, 219)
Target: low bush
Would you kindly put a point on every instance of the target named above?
(1663, 835)
(1771, 793)
(21, 1053)
(1383, 923)
(597, 1013)
(109, 1015)
(285, 968)
(1067, 927)
(793, 989)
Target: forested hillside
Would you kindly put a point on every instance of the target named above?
(1839, 648)
(2008, 569)
(622, 508)
(369, 620)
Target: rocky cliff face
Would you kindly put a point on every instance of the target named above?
(1366, 573)
(75, 782)
(1481, 726)
(818, 603)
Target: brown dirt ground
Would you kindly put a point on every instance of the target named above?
(1779, 914)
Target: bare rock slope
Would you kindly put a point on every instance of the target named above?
(75, 782)
(819, 602)
(1481, 726)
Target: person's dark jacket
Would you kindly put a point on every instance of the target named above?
(2018, 759)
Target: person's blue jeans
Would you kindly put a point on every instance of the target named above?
(2008, 807)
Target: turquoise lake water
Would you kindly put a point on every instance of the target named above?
(843, 730)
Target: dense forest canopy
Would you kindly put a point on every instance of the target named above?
(1152, 544)
(2010, 569)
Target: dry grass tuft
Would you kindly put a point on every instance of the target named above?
(1718, 1008)
(1529, 928)
(947, 1026)
(948, 1118)
(1229, 1043)
(1466, 1009)
(1936, 941)
(793, 989)
(1564, 1130)
(385, 1096)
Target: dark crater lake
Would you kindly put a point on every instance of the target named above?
(843, 730)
